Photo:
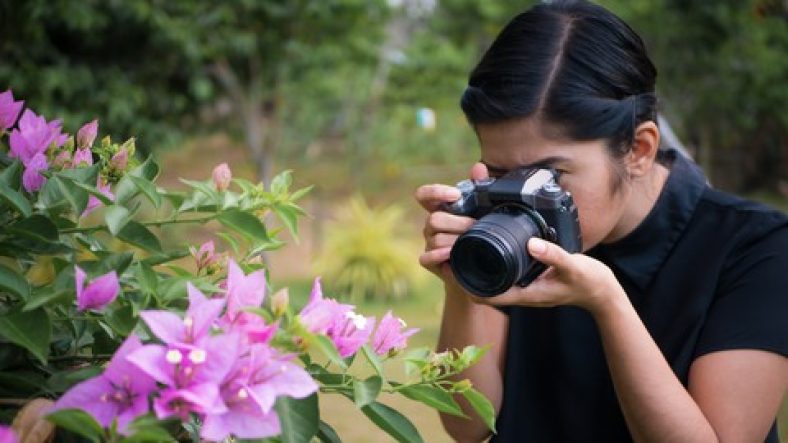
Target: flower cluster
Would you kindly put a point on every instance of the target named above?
(217, 362)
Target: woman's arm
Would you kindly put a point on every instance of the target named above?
(466, 323)
(732, 396)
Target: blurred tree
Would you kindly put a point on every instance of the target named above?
(153, 67)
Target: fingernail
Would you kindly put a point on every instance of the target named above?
(537, 245)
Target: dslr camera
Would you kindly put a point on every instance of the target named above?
(491, 256)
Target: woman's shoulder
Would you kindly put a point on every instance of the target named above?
(740, 218)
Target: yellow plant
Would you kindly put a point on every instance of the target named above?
(366, 255)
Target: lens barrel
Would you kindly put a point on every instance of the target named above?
(491, 256)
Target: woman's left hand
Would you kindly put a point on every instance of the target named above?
(570, 279)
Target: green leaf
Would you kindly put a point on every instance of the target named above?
(76, 196)
(37, 228)
(482, 406)
(147, 188)
(121, 319)
(12, 175)
(244, 223)
(48, 296)
(373, 360)
(147, 278)
(365, 392)
(281, 182)
(327, 434)
(391, 421)
(147, 428)
(138, 235)
(15, 199)
(63, 380)
(116, 217)
(31, 330)
(300, 193)
(299, 418)
(289, 217)
(13, 282)
(470, 355)
(327, 347)
(78, 422)
(126, 188)
(92, 190)
(433, 397)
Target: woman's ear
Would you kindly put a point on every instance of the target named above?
(644, 149)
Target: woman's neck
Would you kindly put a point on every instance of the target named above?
(639, 201)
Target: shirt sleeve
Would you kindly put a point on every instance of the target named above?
(750, 310)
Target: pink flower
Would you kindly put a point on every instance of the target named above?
(99, 293)
(120, 392)
(93, 201)
(191, 373)
(34, 135)
(87, 134)
(222, 176)
(32, 179)
(246, 291)
(319, 313)
(7, 435)
(390, 336)
(201, 315)
(82, 157)
(350, 333)
(250, 391)
(62, 160)
(9, 110)
(205, 256)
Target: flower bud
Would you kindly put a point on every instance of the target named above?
(280, 301)
(62, 161)
(222, 176)
(87, 134)
(120, 160)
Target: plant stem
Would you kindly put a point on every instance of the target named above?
(157, 223)
(81, 357)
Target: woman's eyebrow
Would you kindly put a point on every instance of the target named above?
(546, 162)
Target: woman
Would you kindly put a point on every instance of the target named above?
(671, 325)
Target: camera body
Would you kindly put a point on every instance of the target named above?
(491, 256)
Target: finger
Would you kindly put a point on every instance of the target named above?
(434, 257)
(549, 253)
(431, 197)
(443, 222)
(479, 171)
(441, 240)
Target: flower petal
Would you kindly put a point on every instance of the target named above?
(165, 325)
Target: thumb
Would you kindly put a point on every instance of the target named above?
(548, 253)
(479, 171)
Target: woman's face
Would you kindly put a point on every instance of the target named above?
(587, 171)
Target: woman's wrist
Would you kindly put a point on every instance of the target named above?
(611, 302)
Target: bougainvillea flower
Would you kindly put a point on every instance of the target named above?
(32, 180)
(82, 157)
(9, 110)
(250, 391)
(99, 293)
(87, 134)
(319, 313)
(222, 176)
(390, 336)
(192, 373)
(350, 333)
(93, 201)
(195, 325)
(7, 435)
(121, 391)
(243, 290)
(34, 135)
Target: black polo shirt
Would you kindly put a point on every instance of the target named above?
(706, 271)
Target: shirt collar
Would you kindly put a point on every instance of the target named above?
(640, 254)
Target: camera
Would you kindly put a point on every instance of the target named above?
(491, 256)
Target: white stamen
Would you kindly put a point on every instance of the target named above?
(402, 323)
(242, 393)
(359, 321)
(188, 322)
(173, 356)
(197, 356)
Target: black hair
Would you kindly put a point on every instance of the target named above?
(571, 64)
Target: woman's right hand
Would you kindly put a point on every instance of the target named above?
(441, 228)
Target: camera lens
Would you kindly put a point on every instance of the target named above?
(491, 256)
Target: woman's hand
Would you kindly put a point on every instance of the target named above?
(441, 228)
(570, 279)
